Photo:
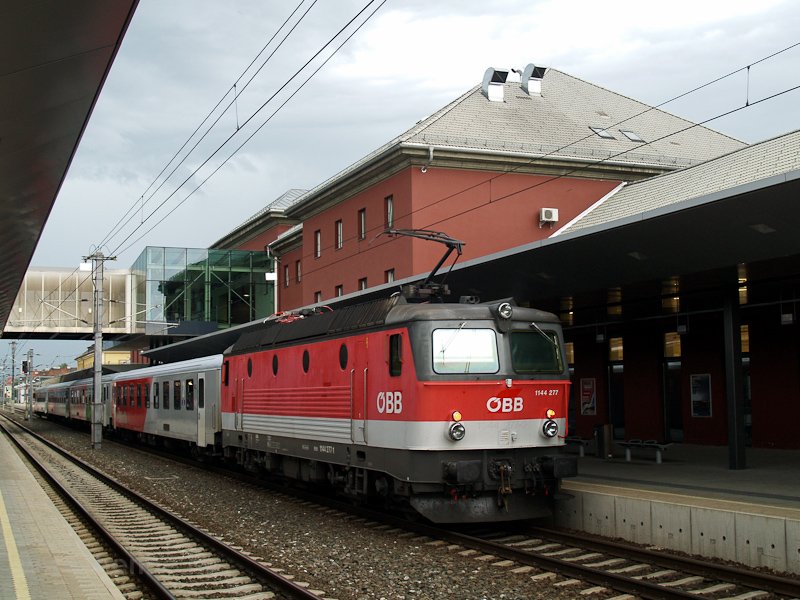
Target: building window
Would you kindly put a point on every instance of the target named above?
(615, 353)
(285, 275)
(317, 243)
(362, 224)
(388, 276)
(603, 133)
(317, 296)
(389, 212)
(298, 274)
(339, 234)
(362, 283)
(672, 344)
(569, 347)
(632, 135)
(339, 290)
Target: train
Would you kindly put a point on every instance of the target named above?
(456, 412)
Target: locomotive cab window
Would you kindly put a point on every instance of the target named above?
(190, 394)
(535, 352)
(464, 350)
(395, 354)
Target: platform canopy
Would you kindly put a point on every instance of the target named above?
(54, 58)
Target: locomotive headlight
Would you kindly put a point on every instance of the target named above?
(550, 428)
(505, 310)
(457, 431)
(550, 413)
(457, 416)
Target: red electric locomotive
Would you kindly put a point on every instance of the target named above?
(454, 410)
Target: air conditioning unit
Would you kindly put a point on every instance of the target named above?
(548, 215)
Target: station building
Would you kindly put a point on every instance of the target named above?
(665, 247)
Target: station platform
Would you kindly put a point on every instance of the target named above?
(692, 502)
(40, 554)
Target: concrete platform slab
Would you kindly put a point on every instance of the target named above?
(694, 504)
(40, 554)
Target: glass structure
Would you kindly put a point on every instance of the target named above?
(178, 285)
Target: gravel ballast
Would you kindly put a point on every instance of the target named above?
(334, 553)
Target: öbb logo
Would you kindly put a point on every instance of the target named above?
(505, 405)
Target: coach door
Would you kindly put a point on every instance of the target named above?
(359, 370)
(201, 410)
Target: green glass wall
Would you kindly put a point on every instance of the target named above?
(176, 285)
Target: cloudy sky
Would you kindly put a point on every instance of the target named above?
(179, 58)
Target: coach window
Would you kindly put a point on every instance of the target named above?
(138, 395)
(464, 350)
(176, 396)
(201, 393)
(190, 394)
(155, 395)
(395, 354)
(165, 389)
(147, 395)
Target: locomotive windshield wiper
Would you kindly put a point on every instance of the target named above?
(547, 337)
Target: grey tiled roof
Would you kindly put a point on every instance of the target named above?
(280, 204)
(759, 161)
(556, 124)
(558, 121)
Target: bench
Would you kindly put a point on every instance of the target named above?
(645, 444)
(576, 440)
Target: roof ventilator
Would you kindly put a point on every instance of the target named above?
(493, 81)
(531, 79)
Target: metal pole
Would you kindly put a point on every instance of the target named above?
(97, 426)
(97, 396)
(29, 388)
(13, 370)
(734, 388)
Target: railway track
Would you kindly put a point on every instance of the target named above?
(173, 558)
(640, 572)
(578, 563)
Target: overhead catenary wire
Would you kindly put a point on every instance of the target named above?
(763, 59)
(120, 249)
(236, 93)
(484, 182)
(131, 211)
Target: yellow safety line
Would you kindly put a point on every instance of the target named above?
(17, 572)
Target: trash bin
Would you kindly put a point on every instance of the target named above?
(602, 438)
